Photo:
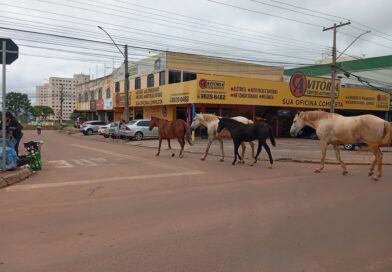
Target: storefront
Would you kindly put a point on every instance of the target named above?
(231, 96)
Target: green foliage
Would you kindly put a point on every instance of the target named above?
(18, 103)
(42, 112)
(74, 116)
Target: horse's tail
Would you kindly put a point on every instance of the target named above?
(386, 140)
(271, 135)
(188, 134)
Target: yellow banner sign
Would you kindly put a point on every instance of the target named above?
(209, 89)
(314, 94)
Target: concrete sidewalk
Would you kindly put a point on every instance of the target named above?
(287, 149)
(8, 178)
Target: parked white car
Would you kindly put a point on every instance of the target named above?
(139, 130)
(90, 127)
(109, 129)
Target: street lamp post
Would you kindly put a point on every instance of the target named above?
(126, 75)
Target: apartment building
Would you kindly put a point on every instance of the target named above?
(42, 95)
(60, 89)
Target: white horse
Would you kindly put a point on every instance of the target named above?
(335, 129)
(210, 121)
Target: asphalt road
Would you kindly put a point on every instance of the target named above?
(104, 206)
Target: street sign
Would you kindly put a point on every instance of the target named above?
(12, 51)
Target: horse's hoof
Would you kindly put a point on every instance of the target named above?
(270, 167)
(317, 171)
(221, 160)
(233, 163)
(181, 156)
(202, 158)
(370, 173)
(157, 154)
(375, 178)
(344, 173)
(173, 154)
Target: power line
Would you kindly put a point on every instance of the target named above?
(292, 10)
(334, 16)
(214, 44)
(94, 41)
(230, 27)
(264, 13)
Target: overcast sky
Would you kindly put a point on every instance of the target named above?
(230, 28)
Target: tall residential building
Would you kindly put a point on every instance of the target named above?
(58, 87)
(42, 95)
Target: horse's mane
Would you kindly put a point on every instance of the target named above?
(208, 117)
(233, 121)
(317, 115)
(159, 119)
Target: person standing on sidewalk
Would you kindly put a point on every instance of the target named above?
(39, 128)
(14, 128)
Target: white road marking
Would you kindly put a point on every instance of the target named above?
(99, 160)
(84, 162)
(134, 158)
(61, 164)
(100, 180)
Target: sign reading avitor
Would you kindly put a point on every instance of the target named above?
(301, 85)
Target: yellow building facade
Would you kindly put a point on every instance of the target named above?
(172, 85)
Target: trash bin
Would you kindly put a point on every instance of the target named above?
(33, 154)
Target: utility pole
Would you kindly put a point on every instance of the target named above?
(126, 85)
(61, 105)
(333, 66)
(126, 75)
(4, 106)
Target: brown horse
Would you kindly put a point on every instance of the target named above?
(335, 129)
(176, 129)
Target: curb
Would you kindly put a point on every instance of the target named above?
(15, 178)
(282, 159)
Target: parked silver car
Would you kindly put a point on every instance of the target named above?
(90, 127)
(109, 129)
(139, 130)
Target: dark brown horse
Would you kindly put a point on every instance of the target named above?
(176, 129)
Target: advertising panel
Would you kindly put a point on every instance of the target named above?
(170, 94)
(108, 104)
(99, 104)
(301, 92)
(311, 92)
(92, 105)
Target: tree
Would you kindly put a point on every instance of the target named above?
(18, 103)
(74, 116)
(42, 112)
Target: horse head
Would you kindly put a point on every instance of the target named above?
(298, 124)
(222, 123)
(154, 122)
(196, 122)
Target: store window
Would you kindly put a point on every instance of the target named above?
(100, 93)
(117, 87)
(188, 76)
(137, 83)
(150, 80)
(108, 93)
(174, 76)
(162, 75)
